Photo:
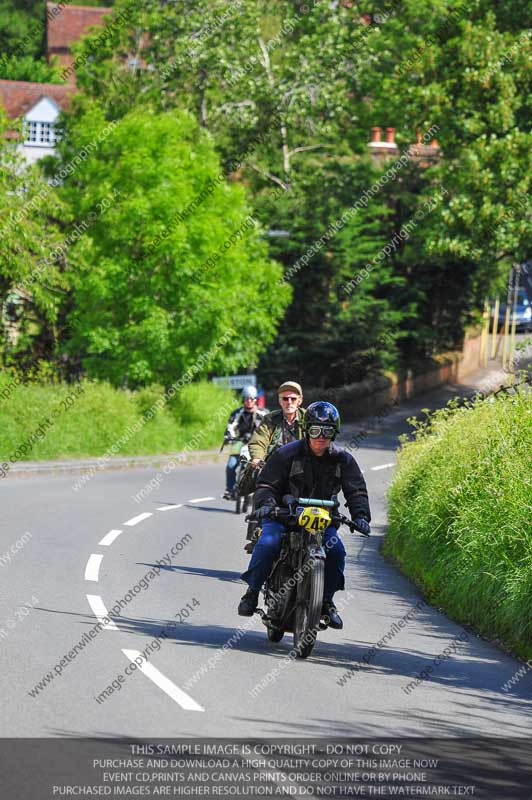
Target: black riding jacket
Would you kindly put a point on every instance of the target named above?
(294, 469)
(243, 423)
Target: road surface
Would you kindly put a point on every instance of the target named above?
(71, 556)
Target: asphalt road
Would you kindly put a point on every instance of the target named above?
(207, 676)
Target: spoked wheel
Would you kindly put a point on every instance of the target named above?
(308, 612)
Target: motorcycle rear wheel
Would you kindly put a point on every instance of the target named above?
(308, 614)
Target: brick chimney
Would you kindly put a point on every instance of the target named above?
(383, 149)
(424, 154)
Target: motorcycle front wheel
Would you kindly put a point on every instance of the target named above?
(274, 634)
(308, 610)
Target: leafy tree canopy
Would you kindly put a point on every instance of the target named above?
(151, 294)
(32, 252)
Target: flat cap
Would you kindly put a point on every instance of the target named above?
(288, 386)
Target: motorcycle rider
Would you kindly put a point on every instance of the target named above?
(309, 467)
(277, 428)
(281, 426)
(242, 422)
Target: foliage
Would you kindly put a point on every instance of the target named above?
(328, 334)
(32, 280)
(23, 41)
(26, 68)
(308, 81)
(22, 28)
(460, 515)
(100, 418)
(466, 68)
(288, 92)
(152, 296)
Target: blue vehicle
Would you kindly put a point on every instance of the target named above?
(523, 309)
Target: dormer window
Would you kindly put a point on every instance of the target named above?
(40, 133)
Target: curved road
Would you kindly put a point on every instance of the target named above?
(210, 672)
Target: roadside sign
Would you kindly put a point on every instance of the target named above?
(236, 381)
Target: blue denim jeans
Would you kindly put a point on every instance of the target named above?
(268, 548)
(230, 472)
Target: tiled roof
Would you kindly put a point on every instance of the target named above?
(70, 23)
(18, 97)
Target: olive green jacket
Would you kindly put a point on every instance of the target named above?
(269, 436)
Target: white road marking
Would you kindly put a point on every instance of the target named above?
(93, 567)
(383, 466)
(109, 538)
(168, 508)
(139, 518)
(100, 612)
(164, 683)
(201, 499)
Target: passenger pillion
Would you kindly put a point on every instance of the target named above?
(277, 428)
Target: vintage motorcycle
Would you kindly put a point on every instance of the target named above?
(239, 450)
(293, 591)
(244, 498)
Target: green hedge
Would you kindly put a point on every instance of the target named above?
(36, 417)
(460, 510)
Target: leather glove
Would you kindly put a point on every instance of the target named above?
(289, 500)
(264, 511)
(362, 526)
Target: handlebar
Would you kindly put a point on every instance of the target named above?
(233, 439)
(312, 501)
(281, 512)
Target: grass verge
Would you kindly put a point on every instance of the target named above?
(40, 420)
(460, 511)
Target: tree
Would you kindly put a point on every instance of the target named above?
(289, 90)
(466, 68)
(32, 253)
(171, 261)
(267, 80)
(23, 41)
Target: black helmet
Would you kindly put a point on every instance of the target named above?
(322, 413)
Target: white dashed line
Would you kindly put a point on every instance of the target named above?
(139, 518)
(100, 612)
(201, 499)
(383, 466)
(168, 508)
(109, 538)
(164, 683)
(93, 567)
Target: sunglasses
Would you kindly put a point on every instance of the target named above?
(326, 431)
(289, 399)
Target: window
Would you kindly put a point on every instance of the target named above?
(40, 133)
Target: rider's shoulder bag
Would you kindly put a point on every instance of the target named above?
(248, 479)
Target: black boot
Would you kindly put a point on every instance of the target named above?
(248, 604)
(333, 618)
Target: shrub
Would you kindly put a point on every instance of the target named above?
(98, 417)
(461, 514)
